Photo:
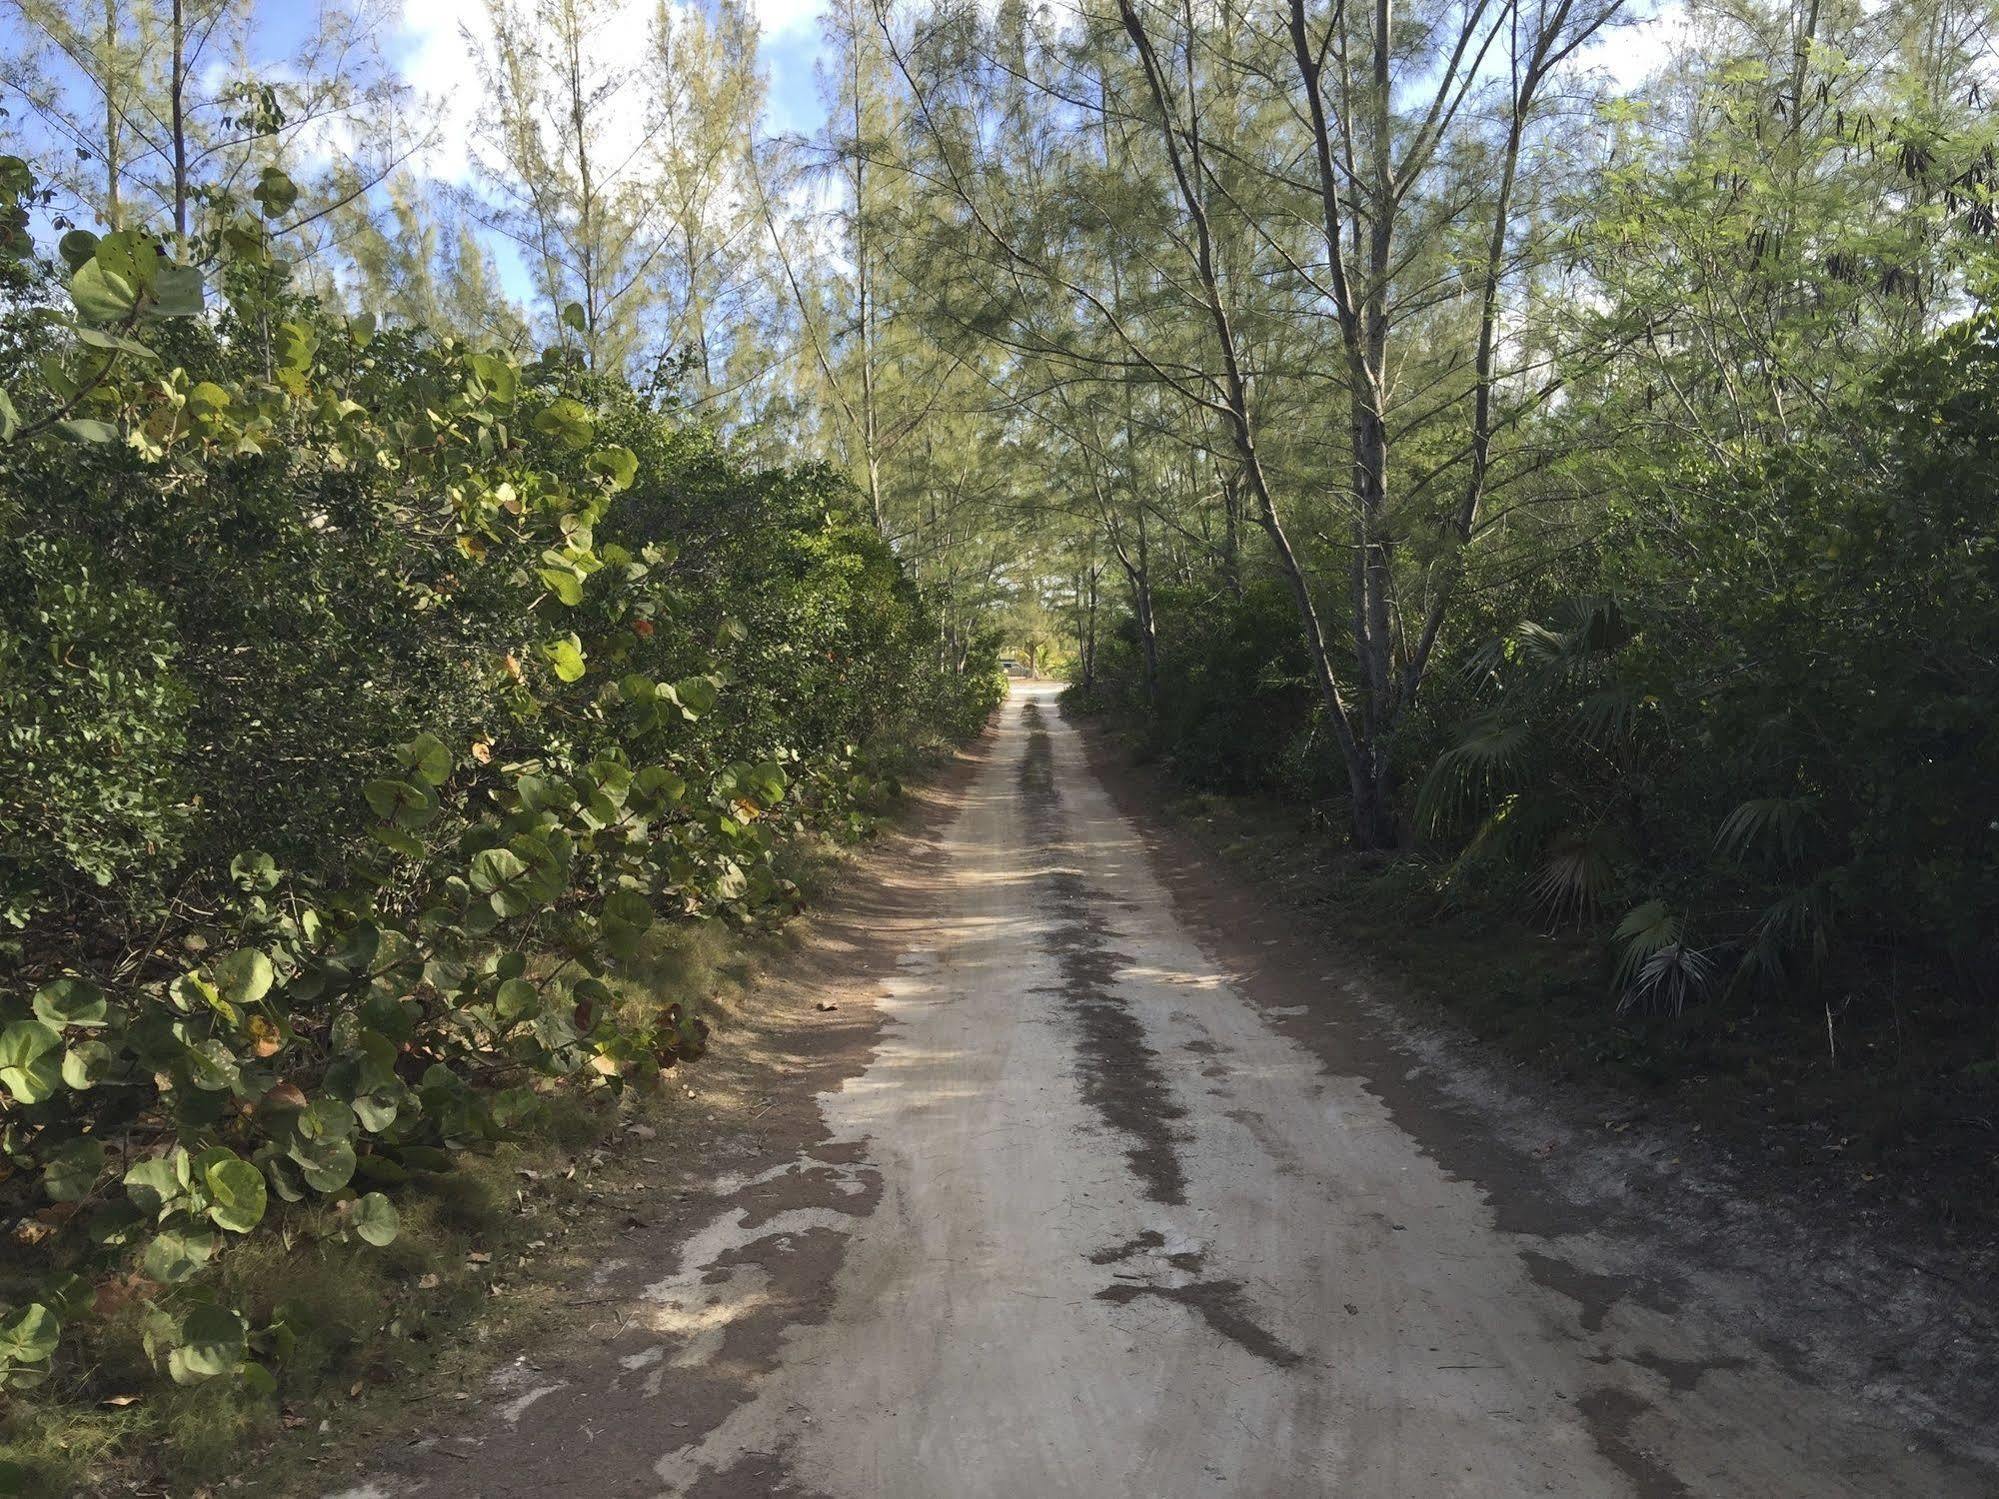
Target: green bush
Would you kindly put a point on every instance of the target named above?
(1767, 740)
(368, 699)
(1236, 709)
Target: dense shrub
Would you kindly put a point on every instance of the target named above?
(367, 699)
(1747, 732)
(1768, 739)
(1236, 709)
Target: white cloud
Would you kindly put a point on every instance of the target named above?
(1630, 54)
(440, 43)
(786, 17)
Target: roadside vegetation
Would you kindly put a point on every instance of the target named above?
(378, 710)
(1691, 786)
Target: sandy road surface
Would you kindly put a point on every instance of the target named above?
(1111, 1205)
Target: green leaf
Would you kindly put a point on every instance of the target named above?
(29, 1068)
(236, 1194)
(130, 254)
(573, 316)
(516, 998)
(565, 585)
(112, 1224)
(178, 1251)
(629, 908)
(696, 695)
(428, 759)
(254, 872)
(212, 1342)
(766, 782)
(76, 248)
(86, 1064)
(401, 803)
(497, 375)
(154, 1184)
(545, 793)
(71, 1002)
(89, 429)
(658, 783)
(275, 193)
(244, 977)
(102, 295)
(405, 843)
(212, 1066)
(284, 1177)
(619, 465)
(177, 291)
(72, 1171)
(377, 1111)
(376, 1220)
(499, 875)
(323, 1147)
(258, 1381)
(566, 656)
(326, 1119)
(568, 421)
(326, 1164)
(30, 1335)
(113, 343)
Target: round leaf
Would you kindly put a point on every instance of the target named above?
(73, 1170)
(236, 1194)
(244, 977)
(70, 1002)
(428, 759)
(177, 1252)
(375, 1219)
(516, 998)
(29, 1066)
(211, 1342)
(85, 1065)
(102, 295)
(30, 1335)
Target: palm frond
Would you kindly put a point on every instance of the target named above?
(1667, 980)
(1578, 871)
(1772, 822)
(1612, 712)
(1795, 933)
(1477, 770)
(1646, 929)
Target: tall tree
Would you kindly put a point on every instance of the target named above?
(1418, 203)
(565, 164)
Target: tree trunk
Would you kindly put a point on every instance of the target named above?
(113, 210)
(176, 81)
(1232, 532)
(1090, 635)
(1148, 626)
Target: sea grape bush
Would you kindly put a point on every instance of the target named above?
(367, 699)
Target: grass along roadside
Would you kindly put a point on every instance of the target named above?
(485, 1268)
(1893, 1122)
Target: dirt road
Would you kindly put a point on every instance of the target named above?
(1118, 1192)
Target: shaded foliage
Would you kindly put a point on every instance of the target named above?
(368, 700)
